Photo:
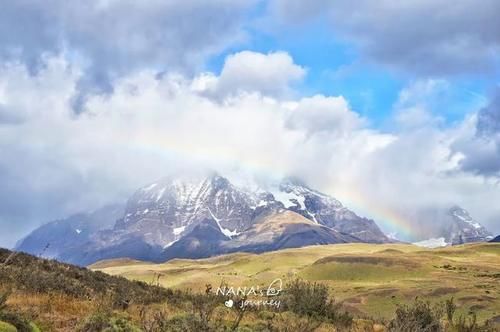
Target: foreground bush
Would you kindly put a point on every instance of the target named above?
(312, 301)
(105, 322)
(14, 319)
(421, 316)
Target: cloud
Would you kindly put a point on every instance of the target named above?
(488, 121)
(108, 39)
(427, 38)
(481, 148)
(323, 114)
(55, 163)
(269, 74)
(417, 101)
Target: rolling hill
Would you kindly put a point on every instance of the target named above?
(370, 279)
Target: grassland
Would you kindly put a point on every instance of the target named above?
(369, 279)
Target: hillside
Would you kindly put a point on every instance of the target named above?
(369, 279)
(367, 284)
(57, 296)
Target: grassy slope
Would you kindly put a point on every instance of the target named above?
(58, 296)
(370, 279)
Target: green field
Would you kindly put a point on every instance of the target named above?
(369, 279)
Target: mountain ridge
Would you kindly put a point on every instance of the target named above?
(199, 216)
(161, 214)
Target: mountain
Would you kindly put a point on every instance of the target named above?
(462, 228)
(282, 229)
(458, 227)
(200, 216)
(327, 211)
(56, 237)
(496, 239)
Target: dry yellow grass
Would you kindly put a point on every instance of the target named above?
(370, 279)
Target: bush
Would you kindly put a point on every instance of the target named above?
(12, 318)
(312, 301)
(5, 327)
(17, 320)
(49, 276)
(104, 322)
(419, 316)
(470, 324)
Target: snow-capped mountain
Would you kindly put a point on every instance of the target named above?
(326, 210)
(56, 237)
(168, 218)
(458, 227)
(173, 206)
(461, 228)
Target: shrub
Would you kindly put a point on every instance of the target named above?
(12, 318)
(470, 324)
(153, 320)
(5, 327)
(419, 316)
(17, 320)
(104, 322)
(312, 301)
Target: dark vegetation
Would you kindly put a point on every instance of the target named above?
(45, 295)
(421, 316)
(32, 274)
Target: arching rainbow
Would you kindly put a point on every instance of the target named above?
(385, 217)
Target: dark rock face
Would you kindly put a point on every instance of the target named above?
(56, 237)
(203, 241)
(203, 216)
(496, 239)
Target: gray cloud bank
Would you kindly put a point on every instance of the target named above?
(162, 113)
(55, 163)
(422, 37)
(111, 38)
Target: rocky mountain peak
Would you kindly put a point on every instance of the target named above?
(173, 209)
(462, 228)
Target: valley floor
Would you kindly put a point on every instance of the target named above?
(369, 279)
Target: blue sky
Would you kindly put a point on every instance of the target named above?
(337, 67)
(389, 106)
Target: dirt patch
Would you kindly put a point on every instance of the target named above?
(375, 260)
(472, 298)
(443, 291)
(353, 300)
(495, 320)
(477, 307)
(384, 292)
(391, 251)
(353, 310)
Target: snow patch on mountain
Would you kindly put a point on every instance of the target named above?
(432, 243)
(178, 230)
(289, 199)
(464, 216)
(227, 232)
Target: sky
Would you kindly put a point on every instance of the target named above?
(392, 107)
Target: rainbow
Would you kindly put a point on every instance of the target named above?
(389, 220)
